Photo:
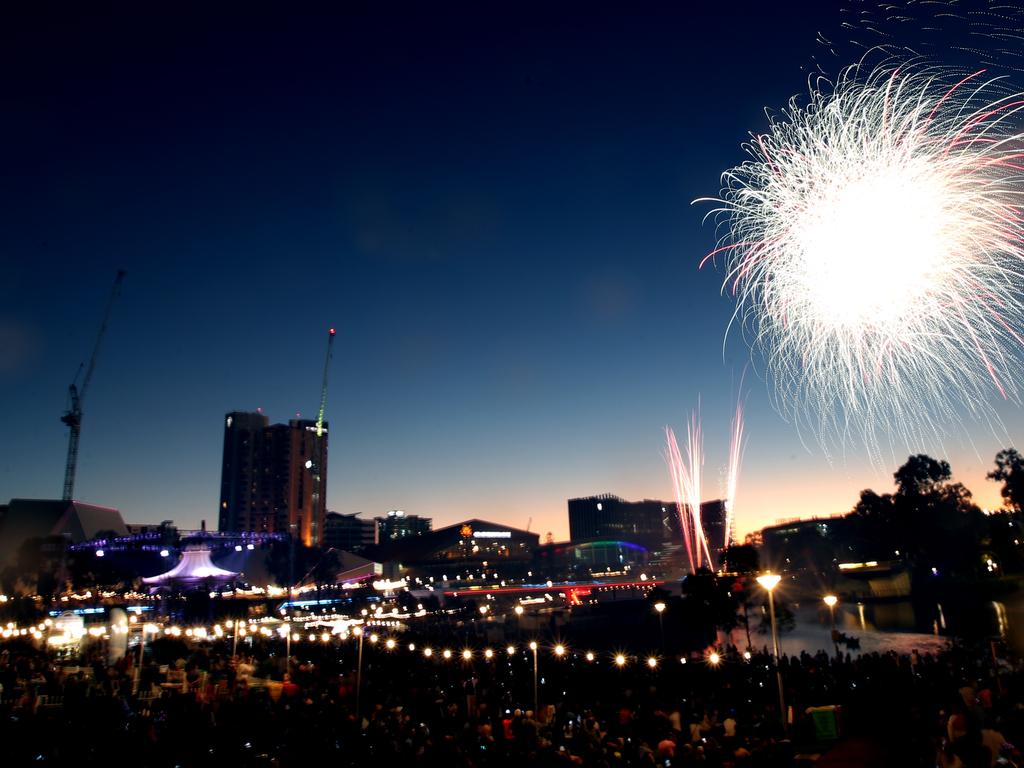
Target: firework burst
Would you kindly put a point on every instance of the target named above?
(873, 242)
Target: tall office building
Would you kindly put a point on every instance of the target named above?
(397, 525)
(273, 477)
(712, 515)
(348, 532)
(648, 523)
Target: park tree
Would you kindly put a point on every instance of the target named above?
(929, 520)
(740, 558)
(921, 476)
(874, 507)
(1010, 472)
(709, 602)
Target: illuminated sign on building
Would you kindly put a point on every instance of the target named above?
(492, 534)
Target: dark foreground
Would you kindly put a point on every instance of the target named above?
(209, 709)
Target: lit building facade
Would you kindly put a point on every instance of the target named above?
(473, 550)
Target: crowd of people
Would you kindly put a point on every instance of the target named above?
(196, 705)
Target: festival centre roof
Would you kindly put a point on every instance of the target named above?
(24, 519)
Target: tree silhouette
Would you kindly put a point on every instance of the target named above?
(1010, 472)
(929, 521)
(921, 475)
(740, 558)
(785, 620)
(873, 507)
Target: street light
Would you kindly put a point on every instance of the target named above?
(769, 581)
(152, 628)
(359, 671)
(660, 608)
(288, 648)
(536, 708)
(830, 601)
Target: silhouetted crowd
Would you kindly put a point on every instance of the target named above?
(198, 706)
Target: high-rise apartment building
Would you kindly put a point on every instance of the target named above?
(273, 477)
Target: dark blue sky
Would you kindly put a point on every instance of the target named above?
(490, 201)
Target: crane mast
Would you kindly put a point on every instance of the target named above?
(318, 442)
(76, 396)
(323, 388)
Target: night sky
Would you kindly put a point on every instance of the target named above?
(490, 201)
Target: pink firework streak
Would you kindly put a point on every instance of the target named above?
(686, 482)
(736, 446)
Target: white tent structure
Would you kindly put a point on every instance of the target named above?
(194, 568)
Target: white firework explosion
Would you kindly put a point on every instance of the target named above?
(874, 246)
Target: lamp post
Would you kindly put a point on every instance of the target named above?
(536, 707)
(519, 622)
(769, 581)
(287, 648)
(235, 625)
(660, 608)
(830, 601)
(359, 671)
(142, 652)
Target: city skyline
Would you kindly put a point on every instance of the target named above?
(504, 242)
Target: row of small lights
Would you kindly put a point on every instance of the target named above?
(390, 643)
(559, 651)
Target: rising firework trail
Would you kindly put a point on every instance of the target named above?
(873, 242)
(686, 482)
(736, 446)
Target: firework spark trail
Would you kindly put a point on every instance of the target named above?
(736, 446)
(875, 244)
(693, 484)
(677, 469)
(686, 482)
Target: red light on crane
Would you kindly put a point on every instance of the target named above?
(331, 331)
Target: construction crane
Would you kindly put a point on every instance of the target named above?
(318, 452)
(323, 388)
(76, 396)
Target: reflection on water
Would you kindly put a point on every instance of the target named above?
(1001, 623)
(966, 618)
